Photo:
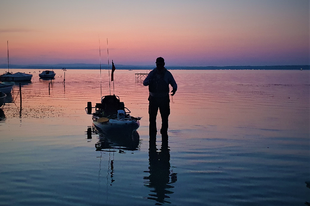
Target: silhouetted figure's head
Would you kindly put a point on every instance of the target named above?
(160, 62)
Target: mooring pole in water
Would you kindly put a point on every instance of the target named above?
(64, 69)
(21, 100)
(49, 87)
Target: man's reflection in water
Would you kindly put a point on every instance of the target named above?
(160, 177)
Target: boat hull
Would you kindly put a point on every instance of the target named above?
(47, 75)
(6, 87)
(117, 126)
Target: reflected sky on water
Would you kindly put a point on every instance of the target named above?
(235, 138)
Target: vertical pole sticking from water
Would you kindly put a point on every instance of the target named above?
(113, 89)
(113, 77)
(21, 100)
(49, 87)
(64, 69)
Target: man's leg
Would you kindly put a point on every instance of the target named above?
(153, 108)
(164, 112)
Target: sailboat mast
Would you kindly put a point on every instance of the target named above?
(8, 55)
(100, 55)
(108, 65)
(100, 68)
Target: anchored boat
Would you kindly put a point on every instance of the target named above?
(14, 77)
(111, 116)
(47, 74)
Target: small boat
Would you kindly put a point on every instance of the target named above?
(6, 87)
(16, 77)
(112, 117)
(47, 74)
(2, 98)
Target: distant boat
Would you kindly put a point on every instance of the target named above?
(14, 77)
(2, 98)
(6, 87)
(47, 74)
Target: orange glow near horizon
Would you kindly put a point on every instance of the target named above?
(187, 33)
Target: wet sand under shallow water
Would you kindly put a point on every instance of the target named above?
(235, 138)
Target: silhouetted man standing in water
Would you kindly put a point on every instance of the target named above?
(158, 81)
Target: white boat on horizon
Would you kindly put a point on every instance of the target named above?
(112, 117)
(47, 74)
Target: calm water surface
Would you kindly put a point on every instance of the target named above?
(235, 138)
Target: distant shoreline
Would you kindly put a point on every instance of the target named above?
(132, 67)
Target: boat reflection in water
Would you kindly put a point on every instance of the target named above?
(112, 143)
(160, 177)
(117, 140)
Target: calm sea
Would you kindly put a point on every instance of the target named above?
(235, 138)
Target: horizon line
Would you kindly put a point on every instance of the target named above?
(86, 66)
(3, 66)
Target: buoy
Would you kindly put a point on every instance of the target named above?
(89, 108)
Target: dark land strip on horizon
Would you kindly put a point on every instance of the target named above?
(134, 67)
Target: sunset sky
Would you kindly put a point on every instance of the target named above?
(184, 32)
